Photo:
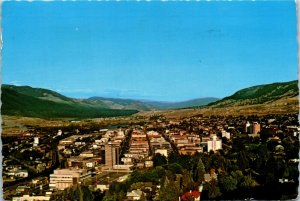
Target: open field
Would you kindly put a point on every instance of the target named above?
(12, 125)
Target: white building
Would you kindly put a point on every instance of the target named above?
(214, 144)
(64, 178)
(225, 134)
(163, 152)
(35, 141)
(126, 160)
(134, 195)
(59, 132)
(31, 198)
(102, 187)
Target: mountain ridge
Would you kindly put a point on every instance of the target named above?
(274, 98)
(259, 94)
(23, 104)
(152, 104)
(38, 102)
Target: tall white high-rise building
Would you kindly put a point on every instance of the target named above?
(35, 141)
(214, 144)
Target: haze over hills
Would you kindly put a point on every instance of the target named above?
(38, 102)
(182, 104)
(144, 105)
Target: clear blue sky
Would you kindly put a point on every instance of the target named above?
(148, 50)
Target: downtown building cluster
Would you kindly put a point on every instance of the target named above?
(99, 158)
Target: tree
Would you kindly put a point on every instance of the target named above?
(157, 173)
(213, 189)
(187, 182)
(262, 157)
(109, 197)
(159, 160)
(227, 183)
(248, 182)
(98, 195)
(77, 192)
(217, 161)
(140, 185)
(237, 175)
(175, 168)
(271, 175)
(200, 171)
(243, 160)
(115, 196)
(169, 191)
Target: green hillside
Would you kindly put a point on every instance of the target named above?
(36, 92)
(37, 102)
(260, 94)
(32, 103)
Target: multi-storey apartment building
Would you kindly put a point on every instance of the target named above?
(64, 178)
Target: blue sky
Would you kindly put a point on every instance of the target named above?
(167, 51)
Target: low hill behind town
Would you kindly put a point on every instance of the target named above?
(275, 98)
(260, 94)
(37, 102)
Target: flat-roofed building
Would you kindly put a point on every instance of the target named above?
(225, 134)
(65, 178)
(80, 162)
(163, 152)
(31, 198)
(190, 150)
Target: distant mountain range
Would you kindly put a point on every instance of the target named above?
(260, 94)
(44, 103)
(183, 104)
(143, 105)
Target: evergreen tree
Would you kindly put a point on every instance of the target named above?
(76, 193)
(159, 160)
(200, 171)
(213, 189)
(169, 191)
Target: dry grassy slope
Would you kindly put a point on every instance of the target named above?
(259, 94)
(281, 106)
(14, 124)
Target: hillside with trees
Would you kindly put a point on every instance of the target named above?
(260, 94)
